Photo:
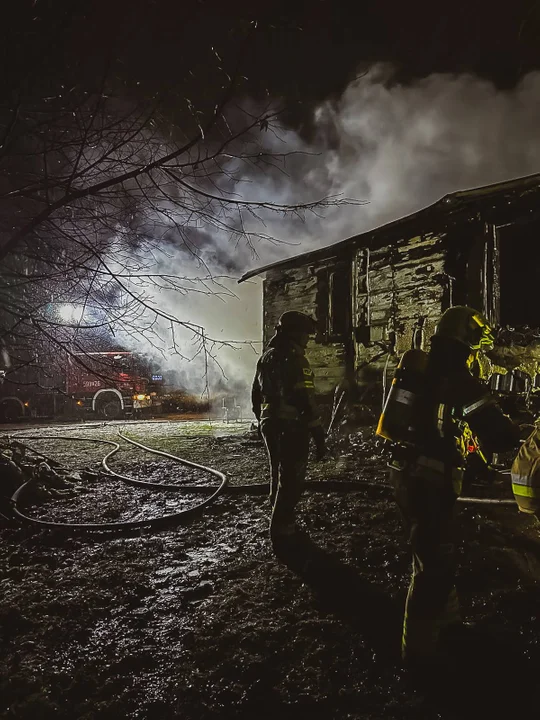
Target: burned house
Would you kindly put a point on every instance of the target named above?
(376, 294)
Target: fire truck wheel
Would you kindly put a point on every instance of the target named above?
(10, 410)
(110, 408)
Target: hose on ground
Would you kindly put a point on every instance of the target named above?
(319, 486)
(487, 501)
(251, 488)
(128, 525)
(187, 513)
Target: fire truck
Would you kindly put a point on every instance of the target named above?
(113, 384)
(108, 384)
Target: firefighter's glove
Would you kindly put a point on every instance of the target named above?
(256, 425)
(319, 438)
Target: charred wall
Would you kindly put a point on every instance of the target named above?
(375, 300)
(309, 289)
(368, 306)
(400, 289)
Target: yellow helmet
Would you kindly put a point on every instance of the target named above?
(467, 326)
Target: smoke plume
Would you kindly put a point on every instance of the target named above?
(398, 147)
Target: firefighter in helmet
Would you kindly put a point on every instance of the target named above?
(284, 404)
(433, 406)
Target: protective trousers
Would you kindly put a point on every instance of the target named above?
(287, 446)
(427, 506)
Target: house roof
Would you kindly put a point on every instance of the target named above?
(449, 204)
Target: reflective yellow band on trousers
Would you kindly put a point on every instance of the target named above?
(525, 486)
(526, 490)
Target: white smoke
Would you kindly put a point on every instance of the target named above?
(404, 147)
(399, 147)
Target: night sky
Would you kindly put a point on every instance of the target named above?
(301, 52)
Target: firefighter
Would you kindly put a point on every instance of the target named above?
(433, 407)
(284, 404)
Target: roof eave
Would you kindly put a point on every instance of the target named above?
(446, 201)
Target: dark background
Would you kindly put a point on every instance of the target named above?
(302, 52)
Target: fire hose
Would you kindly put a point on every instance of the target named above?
(186, 514)
(125, 526)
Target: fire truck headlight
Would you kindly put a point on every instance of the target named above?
(139, 397)
(79, 403)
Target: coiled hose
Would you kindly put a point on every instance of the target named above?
(125, 526)
(186, 514)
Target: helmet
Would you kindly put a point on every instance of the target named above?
(297, 322)
(467, 326)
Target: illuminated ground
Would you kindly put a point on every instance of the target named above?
(203, 622)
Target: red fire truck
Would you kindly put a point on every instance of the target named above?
(108, 384)
(113, 384)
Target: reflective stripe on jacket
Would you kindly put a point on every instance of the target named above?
(284, 386)
(525, 474)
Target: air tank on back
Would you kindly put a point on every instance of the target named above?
(397, 418)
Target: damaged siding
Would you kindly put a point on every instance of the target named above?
(402, 293)
(395, 292)
(298, 289)
(393, 288)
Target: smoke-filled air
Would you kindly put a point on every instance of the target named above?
(395, 147)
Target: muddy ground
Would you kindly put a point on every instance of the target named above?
(203, 621)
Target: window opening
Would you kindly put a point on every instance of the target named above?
(519, 273)
(338, 303)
